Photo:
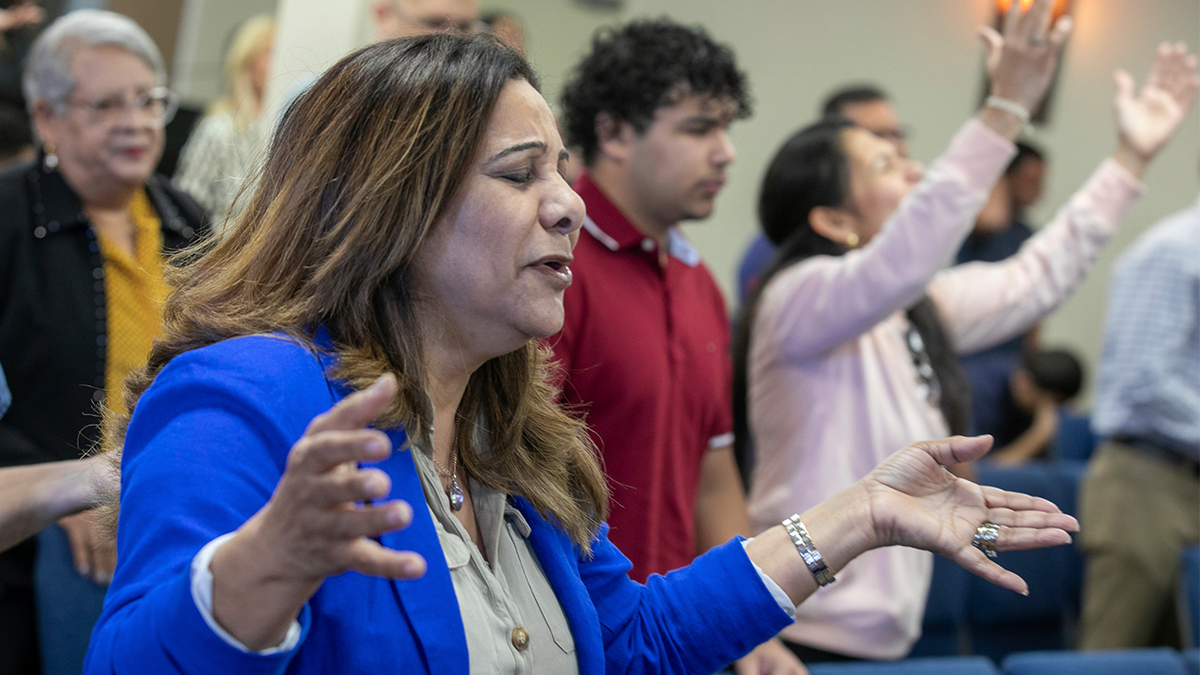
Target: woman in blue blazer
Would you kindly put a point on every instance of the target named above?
(376, 308)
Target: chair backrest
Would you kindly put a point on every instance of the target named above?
(1075, 440)
(945, 612)
(1191, 659)
(1189, 596)
(1002, 622)
(953, 665)
(1137, 661)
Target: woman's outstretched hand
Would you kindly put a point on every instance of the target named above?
(320, 522)
(914, 501)
(1146, 119)
(1021, 59)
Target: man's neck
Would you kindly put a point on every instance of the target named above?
(617, 186)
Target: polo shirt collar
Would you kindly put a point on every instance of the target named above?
(618, 233)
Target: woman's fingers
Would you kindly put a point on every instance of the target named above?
(995, 498)
(1061, 31)
(974, 561)
(358, 409)
(368, 521)
(1033, 519)
(956, 449)
(325, 450)
(1025, 538)
(370, 558)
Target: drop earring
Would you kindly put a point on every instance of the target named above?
(851, 240)
(50, 160)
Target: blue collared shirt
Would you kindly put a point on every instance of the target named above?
(1149, 380)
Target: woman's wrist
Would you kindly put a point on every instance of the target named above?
(1130, 159)
(252, 601)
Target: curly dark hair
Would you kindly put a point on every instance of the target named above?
(635, 69)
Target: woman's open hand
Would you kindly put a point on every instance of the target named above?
(320, 522)
(916, 502)
(1147, 119)
(1021, 59)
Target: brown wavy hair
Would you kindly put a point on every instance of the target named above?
(361, 169)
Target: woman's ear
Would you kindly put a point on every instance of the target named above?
(834, 224)
(43, 122)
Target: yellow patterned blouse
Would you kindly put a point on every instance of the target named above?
(135, 292)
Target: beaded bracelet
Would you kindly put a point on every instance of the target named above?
(1011, 107)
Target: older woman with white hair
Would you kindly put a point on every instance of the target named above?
(83, 239)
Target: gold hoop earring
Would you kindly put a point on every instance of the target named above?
(851, 240)
(50, 161)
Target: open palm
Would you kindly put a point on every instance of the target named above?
(1147, 118)
(916, 502)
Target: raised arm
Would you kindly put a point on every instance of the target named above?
(847, 295)
(985, 303)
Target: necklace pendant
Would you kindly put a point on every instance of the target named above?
(456, 495)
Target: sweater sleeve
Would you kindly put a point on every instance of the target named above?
(814, 306)
(205, 448)
(983, 304)
(697, 619)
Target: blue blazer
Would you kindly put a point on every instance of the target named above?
(205, 448)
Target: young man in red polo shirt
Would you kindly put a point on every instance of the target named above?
(645, 343)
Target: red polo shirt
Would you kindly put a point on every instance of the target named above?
(645, 351)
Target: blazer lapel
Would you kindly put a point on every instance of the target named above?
(424, 602)
(557, 557)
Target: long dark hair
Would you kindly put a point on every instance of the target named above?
(811, 170)
(363, 166)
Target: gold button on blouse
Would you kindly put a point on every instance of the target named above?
(520, 639)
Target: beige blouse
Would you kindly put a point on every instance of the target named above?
(513, 621)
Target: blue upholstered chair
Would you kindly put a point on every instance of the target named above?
(1075, 440)
(1001, 622)
(953, 665)
(943, 630)
(1136, 661)
(1191, 659)
(1189, 596)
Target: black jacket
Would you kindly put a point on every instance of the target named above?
(53, 311)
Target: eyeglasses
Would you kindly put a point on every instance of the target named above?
(158, 106)
(927, 383)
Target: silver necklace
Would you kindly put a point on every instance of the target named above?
(455, 493)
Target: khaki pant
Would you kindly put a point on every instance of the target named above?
(1138, 512)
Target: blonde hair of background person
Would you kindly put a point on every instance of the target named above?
(226, 148)
(247, 65)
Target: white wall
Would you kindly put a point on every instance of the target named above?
(925, 53)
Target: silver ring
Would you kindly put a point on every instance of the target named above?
(985, 538)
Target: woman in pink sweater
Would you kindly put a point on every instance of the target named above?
(849, 348)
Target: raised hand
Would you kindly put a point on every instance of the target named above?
(320, 522)
(1147, 119)
(1021, 60)
(916, 502)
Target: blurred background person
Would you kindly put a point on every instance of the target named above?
(507, 26)
(82, 248)
(406, 18)
(1035, 392)
(1138, 503)
(1000, 230)
(226, 145)
(851, 343)
(867, 106)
